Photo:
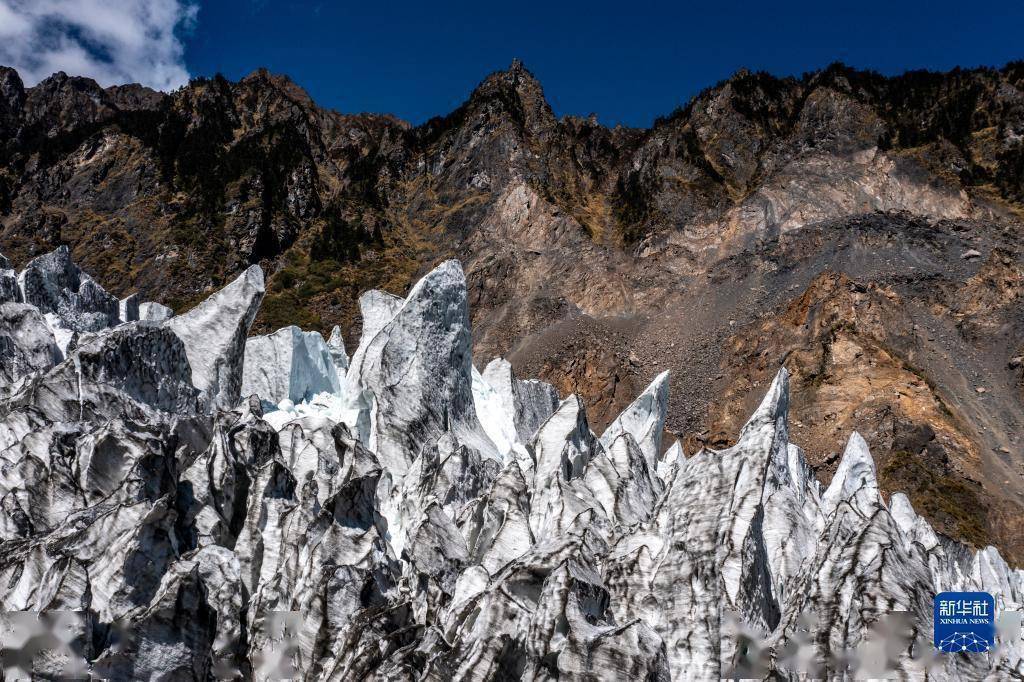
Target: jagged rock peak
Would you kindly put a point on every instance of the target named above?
(518, 93)
(517, 76)
(282, 82)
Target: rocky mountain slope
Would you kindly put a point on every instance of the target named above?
(179, 501)
(863, 230)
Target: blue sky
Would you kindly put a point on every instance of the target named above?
(626, 62)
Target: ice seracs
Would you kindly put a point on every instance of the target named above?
(214, 334)
(336, 348)
(154, 312)
(54, 284)
(26, 343)
(495, 407)
(644, 419)
(128, 308)
(9, 290)
(528, 402)
(855, 482)
(289, 364)
(217, 507)
(419, 395)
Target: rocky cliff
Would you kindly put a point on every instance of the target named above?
(864, 231)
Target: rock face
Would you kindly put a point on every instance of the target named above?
(154, 525)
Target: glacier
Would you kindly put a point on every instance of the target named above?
(191, 502)
(289, 364)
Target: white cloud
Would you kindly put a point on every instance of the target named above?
(112, 41)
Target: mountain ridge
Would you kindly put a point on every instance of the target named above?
(597, 257)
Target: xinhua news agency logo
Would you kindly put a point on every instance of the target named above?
(965, 622)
